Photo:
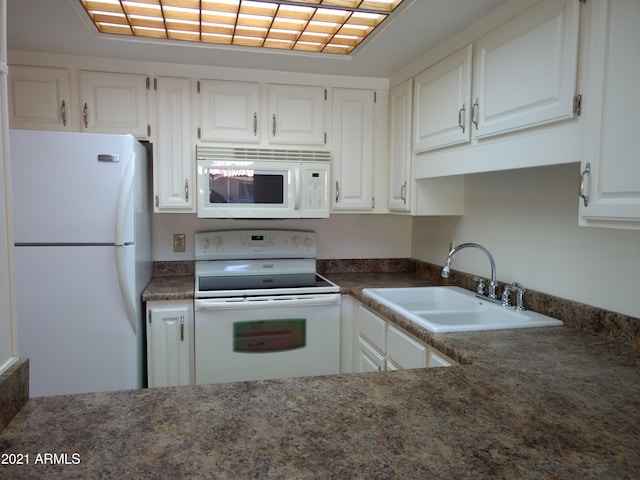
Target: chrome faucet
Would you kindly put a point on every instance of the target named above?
(492, 284)
(519, 289)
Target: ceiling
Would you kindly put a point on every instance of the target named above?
(61, 26)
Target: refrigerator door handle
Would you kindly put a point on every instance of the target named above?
(123, 200)
(125, 290)
(121, 265)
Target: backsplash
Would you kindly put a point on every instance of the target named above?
(616, 326)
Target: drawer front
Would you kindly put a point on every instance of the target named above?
(371, 327)
(437, 359)
(404, 351)
(370, 360)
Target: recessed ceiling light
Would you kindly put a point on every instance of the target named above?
(325, 26)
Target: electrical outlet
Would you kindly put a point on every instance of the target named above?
(179, 242)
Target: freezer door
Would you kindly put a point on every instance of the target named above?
(66, 187)
(72, 322)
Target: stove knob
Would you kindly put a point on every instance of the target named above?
(217, 241)
(295, 240)
(205, 243)
(308, 241)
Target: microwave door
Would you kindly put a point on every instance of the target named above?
(251, 187)
(234, 191)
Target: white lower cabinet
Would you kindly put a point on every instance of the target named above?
(438, 359)
(381, 345)
(169, 343)
(404, 351)
(369, 358)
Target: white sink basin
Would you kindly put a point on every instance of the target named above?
(454, 309)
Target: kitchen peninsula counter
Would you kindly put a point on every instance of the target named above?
(532, 403)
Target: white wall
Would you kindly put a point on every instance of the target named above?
(340, 236)
(528, 220)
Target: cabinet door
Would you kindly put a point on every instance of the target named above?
(114, 103)
(438, 359)
(443, 103)
(229, 111)
(400, 102)
(371, 327)
(296, 114)
(353, 149)
(404, 351)
(369, 359)
(38, 98)
(612, 182)
(525, 71)
(174, 150)
(168, 344)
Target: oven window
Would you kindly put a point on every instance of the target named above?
(247, 187)
(269, 335)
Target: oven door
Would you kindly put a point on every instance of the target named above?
(247, 189)
(238, 339)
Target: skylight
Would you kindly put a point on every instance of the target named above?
(325, 26)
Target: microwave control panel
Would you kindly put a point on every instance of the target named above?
(315, 193)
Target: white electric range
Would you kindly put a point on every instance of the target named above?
(261, 309)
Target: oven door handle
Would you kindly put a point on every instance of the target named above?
(265, 302)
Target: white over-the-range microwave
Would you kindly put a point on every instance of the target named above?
(262, 183)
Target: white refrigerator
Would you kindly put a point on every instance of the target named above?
(82, 257)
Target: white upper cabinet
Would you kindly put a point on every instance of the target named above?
(174, 146)
(611, 159)
(400, 102)
(525, 71)
(353, 127)
(443, 102)
(297, 114)
(229, 111)
(114, 103)
(39, 98)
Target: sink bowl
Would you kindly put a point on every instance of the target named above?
(454, 309)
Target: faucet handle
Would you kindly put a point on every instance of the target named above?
(480, 287)
(506, 301)
(519, 289)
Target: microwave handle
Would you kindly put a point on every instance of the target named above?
(296, 188)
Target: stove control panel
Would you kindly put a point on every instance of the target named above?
(249, 244)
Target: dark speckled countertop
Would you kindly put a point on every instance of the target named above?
(532, 403)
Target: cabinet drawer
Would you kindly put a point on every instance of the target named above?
(437, 359)
(369, 359)
(404, 351)
(371, 327)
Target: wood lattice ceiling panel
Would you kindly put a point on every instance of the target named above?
(326, 26)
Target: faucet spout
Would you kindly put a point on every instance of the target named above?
(447, 266)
